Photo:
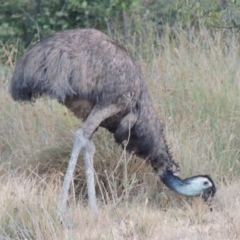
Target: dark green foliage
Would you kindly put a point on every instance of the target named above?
(30, 20)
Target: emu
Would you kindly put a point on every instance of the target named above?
(101, 84)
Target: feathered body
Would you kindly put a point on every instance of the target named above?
(82, 68)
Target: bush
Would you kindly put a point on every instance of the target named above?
(30, 20)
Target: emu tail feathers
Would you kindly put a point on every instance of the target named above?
(19, 89)
(43, 69)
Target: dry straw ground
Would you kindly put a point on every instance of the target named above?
(194, 82)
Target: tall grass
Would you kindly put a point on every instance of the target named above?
(193, 78)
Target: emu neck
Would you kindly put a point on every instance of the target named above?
(148, 136)
(185, 187)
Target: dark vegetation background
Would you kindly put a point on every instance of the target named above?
(24, 22)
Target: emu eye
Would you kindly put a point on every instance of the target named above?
(205, 183)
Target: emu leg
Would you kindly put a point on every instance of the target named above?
(79, 142)
(88, 152)
(82, 140)
(123, 131)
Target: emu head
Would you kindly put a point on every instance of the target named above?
(208, 186)
(200, 185)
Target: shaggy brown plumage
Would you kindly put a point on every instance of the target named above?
(85, 68)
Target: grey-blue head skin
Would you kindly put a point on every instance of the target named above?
(200, 185)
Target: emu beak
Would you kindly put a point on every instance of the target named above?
(209, 193)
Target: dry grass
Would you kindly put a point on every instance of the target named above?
(194, 82)
(29, 211)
